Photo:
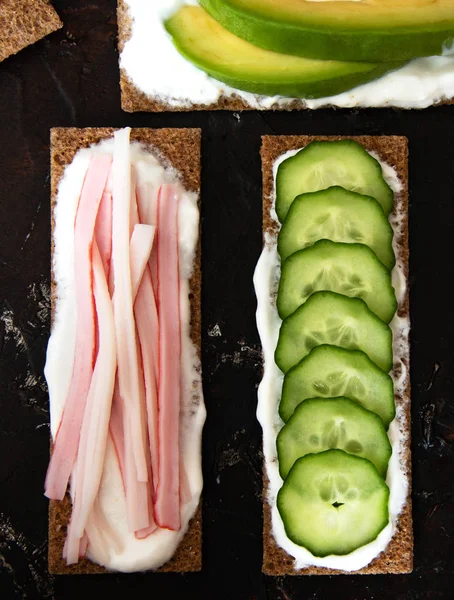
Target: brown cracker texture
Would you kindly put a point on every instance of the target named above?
(398, 556)
(134, 100)
(179, 148)
(24, 22)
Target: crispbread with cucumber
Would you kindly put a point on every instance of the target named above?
(337, 397)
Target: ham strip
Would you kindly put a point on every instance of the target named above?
(67, 438)
(128, 365)
(167, 506)
(140, 249)
(103, 231)
(116, 430)
(95, 427)
(83, 546)
(148, 327)
(137, 509)
(147, 202)
(128, 352)
(144, 493)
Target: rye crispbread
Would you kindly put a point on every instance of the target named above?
(134, 100)
(398, 556)
(179, 148)
(24, 22)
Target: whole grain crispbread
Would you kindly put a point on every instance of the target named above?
(134, 100)
(179, 148)
(24, 22)
(398, 556)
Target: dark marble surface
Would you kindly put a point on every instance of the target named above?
(71, 78)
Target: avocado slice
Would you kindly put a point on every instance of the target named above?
(227, 58)
(356, 30)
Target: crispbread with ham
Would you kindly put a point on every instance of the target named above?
(179, 149)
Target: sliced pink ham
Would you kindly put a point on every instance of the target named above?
(83, 546)
(141, 534)
(137, 492)
(147, 201)
(127, 371)
(67, 438)
(140, 249)
(116, 430)
(167, 505)
(139, 512)
(146, 315)
(103, 231)
(128, 365)
(95, 426)
(144, 495)
(148, 327)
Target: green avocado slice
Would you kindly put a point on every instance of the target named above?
(227, 58)
(364, 30)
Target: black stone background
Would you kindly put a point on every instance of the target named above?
(71, 79)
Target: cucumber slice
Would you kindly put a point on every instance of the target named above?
(320, 424)
(349, 269)
(321, 165)
(340, 216)
(330, 371)
(333, 503)
(329, 318)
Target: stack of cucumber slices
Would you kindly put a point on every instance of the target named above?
(336, 300)
(308, 49)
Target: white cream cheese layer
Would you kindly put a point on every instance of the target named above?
(157, 69)
(132, 554)
(266, 280)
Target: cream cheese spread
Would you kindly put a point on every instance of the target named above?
(152, 63)
(132, 554)
(266, 280)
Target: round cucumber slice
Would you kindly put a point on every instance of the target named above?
(320, 424)
(330, 318)
(340, 216)
(321, 165)
(333, 503)
(349, 269)
(330, 371)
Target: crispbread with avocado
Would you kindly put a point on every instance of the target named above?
(133, 99)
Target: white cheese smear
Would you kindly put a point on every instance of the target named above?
(266, 281)
(154, 65)
(132, 554)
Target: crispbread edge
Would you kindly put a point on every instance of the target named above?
(24, 22)
(181, 149)
(398, 556)
(134, 100)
